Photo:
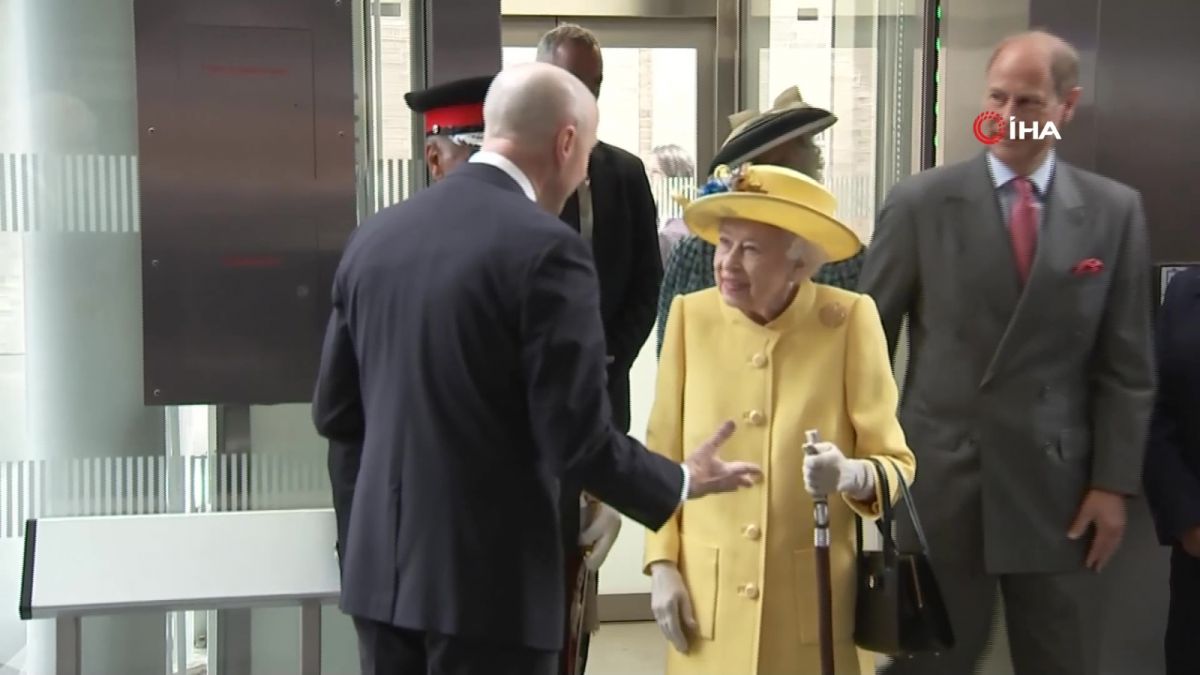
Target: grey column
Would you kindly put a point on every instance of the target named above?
(970, 31)
(83, 288)
(462, 39)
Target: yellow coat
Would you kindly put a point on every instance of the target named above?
(747, 557)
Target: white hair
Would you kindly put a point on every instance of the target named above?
(809, 256)
(529, 103)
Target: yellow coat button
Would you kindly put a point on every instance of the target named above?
(751, 591)
(758, 360)
(756, 418)
(752, 532)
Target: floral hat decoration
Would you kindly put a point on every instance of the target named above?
(773, 195)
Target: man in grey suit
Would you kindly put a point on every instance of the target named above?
(1030, 380)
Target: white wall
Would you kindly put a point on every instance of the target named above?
(622, 572)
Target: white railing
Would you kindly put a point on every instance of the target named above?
(236, 570)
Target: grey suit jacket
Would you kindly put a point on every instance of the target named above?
(1016, 401)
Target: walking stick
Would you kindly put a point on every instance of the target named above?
(824, 586)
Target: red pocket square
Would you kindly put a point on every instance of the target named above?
(1088, 267)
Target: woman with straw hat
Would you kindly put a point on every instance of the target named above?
(734, 586)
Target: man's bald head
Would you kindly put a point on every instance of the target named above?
(543, 119)
(1037, 48)
(530, 103)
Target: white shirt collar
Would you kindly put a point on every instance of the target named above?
(505, 164)
(1040, 178)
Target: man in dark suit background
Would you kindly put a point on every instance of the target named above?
(1030, 380)
(1172, 471)
(462, 374)
(613, 210)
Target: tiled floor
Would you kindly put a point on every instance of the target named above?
(627, 649)
(639, 649)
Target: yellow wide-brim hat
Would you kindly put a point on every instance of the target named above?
(776, 196)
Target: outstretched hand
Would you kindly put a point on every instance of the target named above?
(709, 474)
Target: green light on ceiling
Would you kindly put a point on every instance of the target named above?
(937, 44)
(935, 142)
(935, 108)
(939, 12)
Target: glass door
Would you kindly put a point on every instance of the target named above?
(648, 99)
(659, 92)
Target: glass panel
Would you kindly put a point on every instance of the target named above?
(645, 102)
(861, 61)
(388, 53)
(648, 107)
(75, 435)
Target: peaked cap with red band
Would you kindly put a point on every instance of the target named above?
(453, 109)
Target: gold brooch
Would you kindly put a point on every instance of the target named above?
(833, 315)
(742, 182)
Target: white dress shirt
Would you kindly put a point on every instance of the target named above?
(506, 165)
(1002, 177)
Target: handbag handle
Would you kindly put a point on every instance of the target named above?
(906, 495)
(887, 520)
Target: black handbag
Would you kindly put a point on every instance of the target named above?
(899, 609)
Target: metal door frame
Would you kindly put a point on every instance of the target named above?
(698, 33)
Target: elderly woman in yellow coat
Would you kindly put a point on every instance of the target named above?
(734, 584)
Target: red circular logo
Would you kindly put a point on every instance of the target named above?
(999, 127)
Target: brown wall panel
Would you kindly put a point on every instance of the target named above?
(1076, 22)
(1148, 102)
(1135, 126)
(246, 163)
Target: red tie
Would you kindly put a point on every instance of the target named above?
(1022, 225)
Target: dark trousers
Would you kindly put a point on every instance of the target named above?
(1051, 621)
(1183, 620)
(388, 650)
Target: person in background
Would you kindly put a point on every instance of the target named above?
(613, 210)
(453, 113)
(733, 582)
(462, 374)
(671, 167)
(781, 136)
(1030, 378)
(1172, 470)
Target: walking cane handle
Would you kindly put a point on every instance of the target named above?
(820, 502)
(811, 438)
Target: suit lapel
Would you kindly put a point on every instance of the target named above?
(1062, 240)
(600, 184)
(979, 242)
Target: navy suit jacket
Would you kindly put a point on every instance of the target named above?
(1172, 471)
(463, 372)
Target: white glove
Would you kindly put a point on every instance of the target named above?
(829, 471)
(598, 530)
(671, 604)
